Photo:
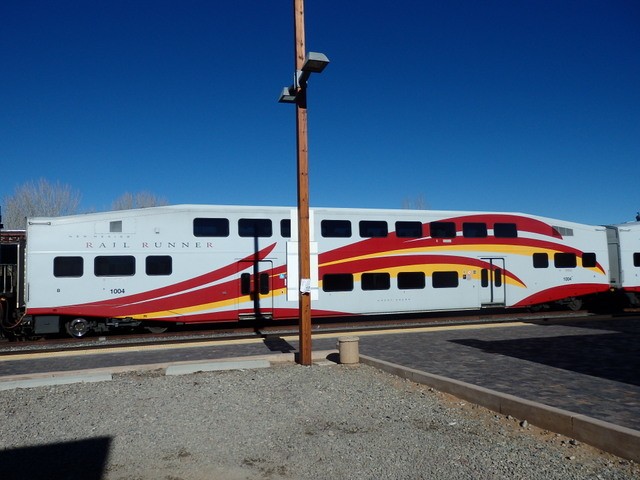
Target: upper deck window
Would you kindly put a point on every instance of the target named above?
(442, 229)
(409, 229)
(474, 230)
(211, 227)
(255, 227)
(373, 228)
(335, 228)
(285, 228)
(505, 230)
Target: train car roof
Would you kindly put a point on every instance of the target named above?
(253, 209)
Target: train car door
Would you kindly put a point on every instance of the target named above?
(492, 285)
(255, 298)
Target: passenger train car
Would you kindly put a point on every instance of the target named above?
(200, 264)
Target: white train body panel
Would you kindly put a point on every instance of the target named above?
(626, 253)
(178, 264)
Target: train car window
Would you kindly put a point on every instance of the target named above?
(505, 230)
(114, 266)
(68, 267)
(245, 284)
(589, 260)
(474, 230)
(8, 254)
(335, 228)
(264, 283)
(411, 280)
(255, 227)
(444, 279)
(285, 228)
(484, 278)
(564, 260)
(376, 281)
(211, 227)
(158, 265)
(409, 229)
(540, 260)
(373, 228)
(497, 277)
(636, 259)
(115, 226)
(337, 282)
(564, 231)
(442, 229)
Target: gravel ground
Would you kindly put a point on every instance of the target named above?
(285, 422)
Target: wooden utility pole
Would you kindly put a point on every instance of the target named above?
(304, 241)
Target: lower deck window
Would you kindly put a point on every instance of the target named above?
(540, 260)
(68, 267)
(337, 282)
(411, 280)
(589, 260)
(158, 265)
(114, 266)
(376, 281)
(565, 260)
(444, 279)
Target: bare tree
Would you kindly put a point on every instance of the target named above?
(39, 199)
(418, 203)
(128, 200)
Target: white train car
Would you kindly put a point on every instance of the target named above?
(196, 263)
(624, 254)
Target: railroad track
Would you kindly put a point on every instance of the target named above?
(191, 334)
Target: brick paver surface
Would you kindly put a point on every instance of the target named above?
(590, 367)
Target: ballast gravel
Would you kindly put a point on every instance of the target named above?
(284, 422)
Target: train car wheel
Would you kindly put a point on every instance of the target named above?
(156, 329)
(78, 327)
(574, 304)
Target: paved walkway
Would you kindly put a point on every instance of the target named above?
(591, 367)
(586, 367)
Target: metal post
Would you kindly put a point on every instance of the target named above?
(304, 246)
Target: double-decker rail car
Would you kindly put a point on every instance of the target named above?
(624, 254)
(194, 263)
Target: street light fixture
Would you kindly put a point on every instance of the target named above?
(314, 62)
(297, 93)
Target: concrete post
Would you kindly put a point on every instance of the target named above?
(348, 350)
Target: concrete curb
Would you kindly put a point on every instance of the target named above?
(621, 441)
(216, 366)
(172, 368)
(58, 378)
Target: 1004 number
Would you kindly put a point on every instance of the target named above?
(117, 291)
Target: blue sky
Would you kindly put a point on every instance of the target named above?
(530, 106)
